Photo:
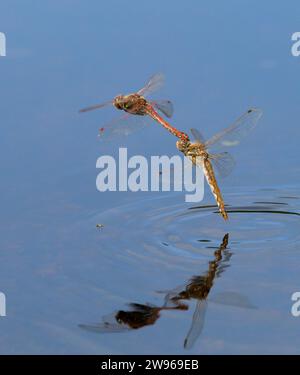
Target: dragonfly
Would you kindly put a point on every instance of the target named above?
(199, 152)
(138, 110)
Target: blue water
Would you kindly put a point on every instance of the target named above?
(61, 275)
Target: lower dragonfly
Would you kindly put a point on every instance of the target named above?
(200, 155)
(138, 109)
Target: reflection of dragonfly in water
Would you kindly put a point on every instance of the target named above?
(138, 111)
(199, 152)
(198, 288)
(138, 316)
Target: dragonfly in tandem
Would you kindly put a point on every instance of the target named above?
(199, 152)
(138, 110)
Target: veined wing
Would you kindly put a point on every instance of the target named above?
(154, 83)
(123, 126)
(164, 106)
(223, 163)
(198, 136)
(197, 324)
(232, 135)
(96, 106)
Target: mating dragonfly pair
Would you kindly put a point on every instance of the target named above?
(138, 111)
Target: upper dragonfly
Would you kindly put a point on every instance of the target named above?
(137, 104)
(199, 151)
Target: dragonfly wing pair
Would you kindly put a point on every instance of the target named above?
(229, 137)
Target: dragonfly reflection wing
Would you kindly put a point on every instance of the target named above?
(198, 136)
(96, 106)
(109, 325)
(223, 163)
(154, 84)
(197, 324)
(172, 296)
(105, 327)
(232, 135)
(164, 106)
(123, 126)
(233, 299)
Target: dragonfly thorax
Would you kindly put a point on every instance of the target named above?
(197, 149)
(132, 103)
(191, 149)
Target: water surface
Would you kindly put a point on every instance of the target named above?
(65, 279)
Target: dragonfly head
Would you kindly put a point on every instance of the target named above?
(120, 102)
(123, 102)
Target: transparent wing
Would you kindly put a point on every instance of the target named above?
(232, 135)
(197, 324)
(96, 106)
(105, 327)
(171, 297)
(109, 325)
(198, 136)
(154, 83)
(223, 163)
(123, 126)
(164, 106)
(232, 298)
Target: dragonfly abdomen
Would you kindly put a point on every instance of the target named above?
(212, 182)
(152, 113)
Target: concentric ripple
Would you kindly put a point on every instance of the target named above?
(167, 231)
(162, 261)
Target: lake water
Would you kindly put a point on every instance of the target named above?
(161, 276)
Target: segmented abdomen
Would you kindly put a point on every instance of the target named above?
(212, 182)
(152, 113)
